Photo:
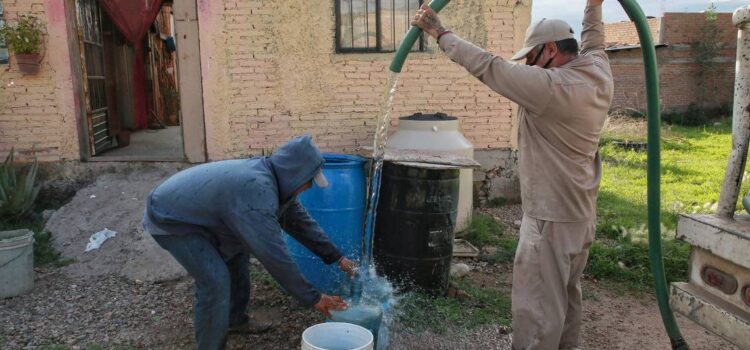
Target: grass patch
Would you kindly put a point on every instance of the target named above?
(627, 262)
(484, 230)
(440, 314)
(693, 163)
(506, 251)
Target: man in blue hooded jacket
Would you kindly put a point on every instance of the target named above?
(212, 216)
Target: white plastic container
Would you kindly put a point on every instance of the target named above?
(439, 132)
(16, 262)
(337, 336)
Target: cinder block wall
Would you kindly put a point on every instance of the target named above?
(270, 71)
(37, 111)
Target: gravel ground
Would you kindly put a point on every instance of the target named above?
(88, 306)
(510, 215)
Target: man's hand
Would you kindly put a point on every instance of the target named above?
(348, 266)
(328, 303)
(428, 20)
(594, 2)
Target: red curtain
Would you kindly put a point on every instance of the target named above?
(133, 18)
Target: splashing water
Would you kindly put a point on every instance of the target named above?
(373, 304)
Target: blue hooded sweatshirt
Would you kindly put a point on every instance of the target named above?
(243, 205)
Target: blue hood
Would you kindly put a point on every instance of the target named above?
(294, 164)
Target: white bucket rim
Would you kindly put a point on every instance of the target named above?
(370, 341)
(17, 241)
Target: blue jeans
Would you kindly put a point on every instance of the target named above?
(222, 288)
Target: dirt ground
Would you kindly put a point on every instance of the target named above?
(111, 312)
(108, 309)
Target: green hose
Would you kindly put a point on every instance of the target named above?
(636, 15)
(654, 173)
(411, 38)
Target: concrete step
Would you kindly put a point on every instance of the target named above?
(711, 312)
(717, 295)
(725, 238)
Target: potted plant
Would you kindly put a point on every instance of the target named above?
(25, 41)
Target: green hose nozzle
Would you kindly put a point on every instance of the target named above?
(411, 37)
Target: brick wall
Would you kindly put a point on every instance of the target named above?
(684, 28)
(36, 111)
(624, 32)
(269, 72)
(272, 77)
(679, 75)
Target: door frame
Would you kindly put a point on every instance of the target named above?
(189, 78)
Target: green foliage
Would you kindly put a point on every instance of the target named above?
(481, 306)
(628, 262)
(694, 116)
(506, 251)
(44, 253)
(484, 230)
(25, 37)
(707, 48)
(693, 161)
(17, 189)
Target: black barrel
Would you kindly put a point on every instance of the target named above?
(414, 226)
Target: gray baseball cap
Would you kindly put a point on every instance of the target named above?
(542, 32)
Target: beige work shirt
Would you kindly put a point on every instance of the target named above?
(561, 115)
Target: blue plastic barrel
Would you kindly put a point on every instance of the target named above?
(339, 209)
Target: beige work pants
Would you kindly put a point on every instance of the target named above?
(546, 292)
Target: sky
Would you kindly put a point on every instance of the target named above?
(571, 11)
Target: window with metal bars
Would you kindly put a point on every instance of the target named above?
(3, 46)
(374, 25)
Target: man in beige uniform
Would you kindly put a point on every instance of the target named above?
(564, 98)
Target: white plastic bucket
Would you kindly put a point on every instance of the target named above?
(337, 336)
(16, 262)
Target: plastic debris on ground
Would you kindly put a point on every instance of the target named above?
(96, 240)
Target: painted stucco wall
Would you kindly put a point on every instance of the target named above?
(37, 111)
(270, 72)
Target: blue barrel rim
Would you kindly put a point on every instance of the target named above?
(340, 160)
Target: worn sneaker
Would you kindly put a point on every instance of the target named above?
(252, 327)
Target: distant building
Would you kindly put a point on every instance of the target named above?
(679, 74)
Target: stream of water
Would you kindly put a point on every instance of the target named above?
(378, 152)
(372, 302)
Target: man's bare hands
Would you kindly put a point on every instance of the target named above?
(328, 303)
(348, 266)
(428, 20)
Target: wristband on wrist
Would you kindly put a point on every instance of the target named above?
(441, 35)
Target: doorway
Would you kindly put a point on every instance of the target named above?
(108, 115)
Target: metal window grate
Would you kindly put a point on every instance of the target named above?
(3, 46)
(374, 25)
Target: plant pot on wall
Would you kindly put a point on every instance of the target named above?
(28, 63)
(25, 40)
